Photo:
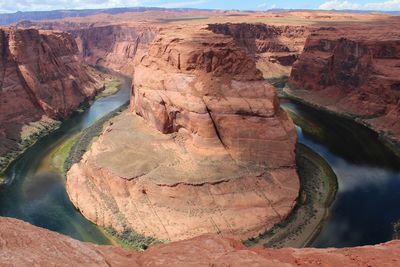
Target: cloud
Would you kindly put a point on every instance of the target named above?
(183, 4)
(265, 6)
(35, 5)
(386, 5)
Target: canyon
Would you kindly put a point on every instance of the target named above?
(42, 81)
(204, 156)
(187, 162)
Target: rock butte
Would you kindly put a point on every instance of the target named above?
(41, 79)
(211, 152)
(22, 244)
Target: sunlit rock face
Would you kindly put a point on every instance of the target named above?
(208, 89)
(23, 244)
(205, 148)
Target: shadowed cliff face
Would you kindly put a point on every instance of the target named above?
(354, 71)
(210, 152)
(111, 46)
(274, 48)
(23, 244)
(41, 78)
(114, 46)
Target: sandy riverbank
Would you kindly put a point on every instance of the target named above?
(318, 190)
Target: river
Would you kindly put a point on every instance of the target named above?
(368, 173)
(35, 192)
(365, 207)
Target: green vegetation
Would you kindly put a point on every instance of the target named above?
(278, 82)
(132, 240)
(396, 230)
(110, 87)
(85, 139)
(306, 125)
(59, 156)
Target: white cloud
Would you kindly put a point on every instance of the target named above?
(262, 5)
(385, 5)
(265, 6)
(34, 5)
(183, 4)
(339, 5)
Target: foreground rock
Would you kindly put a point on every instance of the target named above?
(22, 244)
(353, 71)
(211, 152)
(41, 81)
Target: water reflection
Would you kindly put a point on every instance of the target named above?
(368, 174)
(35, 194)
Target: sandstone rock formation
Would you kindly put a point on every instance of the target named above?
(274, 48)
(22, 244)
(41, 80)
(114, 46)
(353, 71)
(110, 45)
(211, 152)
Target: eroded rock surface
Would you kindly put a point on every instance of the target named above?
(114, 46)
(210, 152)
(353, 71)
(274, 48)
(22, 244)
(41, 79)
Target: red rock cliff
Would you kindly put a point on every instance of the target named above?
(114, 46)
(22, 244)
(206, 86)
(211, 152)
(353, 70)
(40, 77)
(274, 48)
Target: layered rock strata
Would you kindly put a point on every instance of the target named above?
(22, 244)
(114, 46)
(41, 80)
(110, 45)
(210, 152)
(353, 71)
(274, 48)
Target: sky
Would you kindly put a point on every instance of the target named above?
(35, 5)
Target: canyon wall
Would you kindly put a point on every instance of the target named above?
(41, 80)
(210, 152)
(114, 46)
(353, 71)
(22, 244)
(274, 48)
(110, 45)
